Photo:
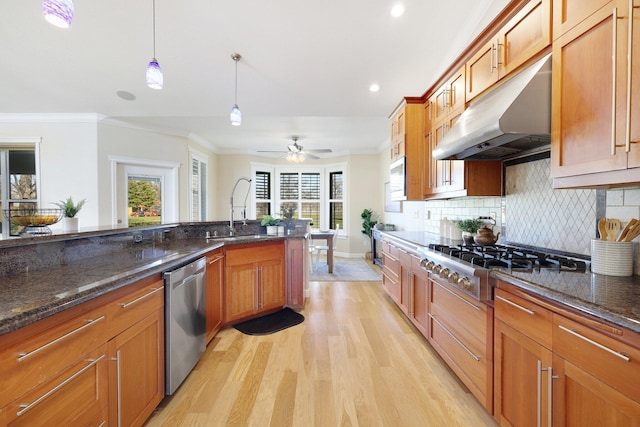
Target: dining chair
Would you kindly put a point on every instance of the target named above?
(320, 248)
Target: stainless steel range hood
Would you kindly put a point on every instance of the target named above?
(513, 118)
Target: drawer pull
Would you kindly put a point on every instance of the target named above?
(127, 304)
(460, 343)
(27, 406)
(57, 340)
(590, 341)
(460, 298)
(526, 310)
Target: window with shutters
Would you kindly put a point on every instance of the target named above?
(316, 193)
(198, 187)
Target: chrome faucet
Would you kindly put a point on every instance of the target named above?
(244, 206)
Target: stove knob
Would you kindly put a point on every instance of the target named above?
(445, 272)
(466, 284)
(437, 269)
(431, 265)
(454, 277)
(424, 262)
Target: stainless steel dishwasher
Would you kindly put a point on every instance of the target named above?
(185, 321)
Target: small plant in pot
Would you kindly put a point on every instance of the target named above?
(367, 228)
(288, 211)
(271, 223)
(469, 228)
(69, 211)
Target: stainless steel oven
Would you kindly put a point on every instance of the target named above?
(398, 180)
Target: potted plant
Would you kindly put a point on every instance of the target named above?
(271, 223)
(288, 211)
(69, 211)
(367, 228)
(469, 228)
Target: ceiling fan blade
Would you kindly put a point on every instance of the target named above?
(271, 151)
(309, 156)
(319, 150)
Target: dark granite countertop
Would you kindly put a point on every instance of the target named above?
(615, 299)
(30, 296)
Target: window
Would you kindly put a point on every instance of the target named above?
(263, 193)
(317, 193)
(18, 182)
(198, 187)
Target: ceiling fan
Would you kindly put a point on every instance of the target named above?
(297, 153)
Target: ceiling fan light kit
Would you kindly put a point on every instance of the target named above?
(58, 12)
(236, 114)
(154, 76)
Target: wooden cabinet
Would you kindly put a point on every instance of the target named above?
(597, 377)
(397, 136)
(554, 367)
(136, 353)
(391, 270)
(297, 262)
(461, 331)
(410, 146)
(524, 36)
(99, 363)
(596, 94)
(254, 280)
(214, 292)
(419, 296)
(523, 360)
(568, 13)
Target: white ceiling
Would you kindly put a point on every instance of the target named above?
(306, 65)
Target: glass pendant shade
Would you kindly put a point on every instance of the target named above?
(236, 116)
(155, 79)
(58, 12)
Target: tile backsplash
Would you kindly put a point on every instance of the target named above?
(532, 213)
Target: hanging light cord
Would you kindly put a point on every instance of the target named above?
(154, 28)
(236, 89)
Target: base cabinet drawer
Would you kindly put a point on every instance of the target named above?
(73, 397)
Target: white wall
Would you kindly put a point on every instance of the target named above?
(68, 158)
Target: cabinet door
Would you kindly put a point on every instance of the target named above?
(457, 93)
(420, 297)
(580, 399)
(297, 264)
(520, 386)
(482, 70)
(633, 87)
(587, 94)
(241, 291)
(526, 34)
(406, 283)
(214, 287)
(568, 13)
(272, 283)
(136, 371)
(73, 397)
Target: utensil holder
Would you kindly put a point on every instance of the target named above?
(612, 258)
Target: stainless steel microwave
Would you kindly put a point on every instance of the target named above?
(398, 180)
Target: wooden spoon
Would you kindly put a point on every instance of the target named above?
(626, 230)
(613, 228)
(602, 228)
(634, 232)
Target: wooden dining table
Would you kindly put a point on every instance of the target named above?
(328, 237)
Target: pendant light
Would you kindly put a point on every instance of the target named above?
(58, 12)
(236, 115)
(155, 79)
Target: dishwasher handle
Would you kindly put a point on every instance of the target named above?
(176, 277)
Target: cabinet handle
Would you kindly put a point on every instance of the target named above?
(127, 304)
(629, 70)
(460, 343)
(90, 322)
(550, 378)
(597, 344)
(614, 80)
(498, 44)
(118, 385)
(460, 298)
(526, 310)
(27, 406)
(491, 63)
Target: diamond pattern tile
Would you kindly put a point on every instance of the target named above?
(537, 215)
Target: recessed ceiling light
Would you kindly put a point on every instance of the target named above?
(397, 10)
(374, 87)
(127, 96)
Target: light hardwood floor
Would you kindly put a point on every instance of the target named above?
(354, 361)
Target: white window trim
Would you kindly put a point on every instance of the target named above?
(324, 171)
(13, 143)
(201, 158)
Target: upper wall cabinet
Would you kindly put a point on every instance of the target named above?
(408, 143)
(524, 35)
(596, 100)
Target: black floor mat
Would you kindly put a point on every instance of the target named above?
(270, 323)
